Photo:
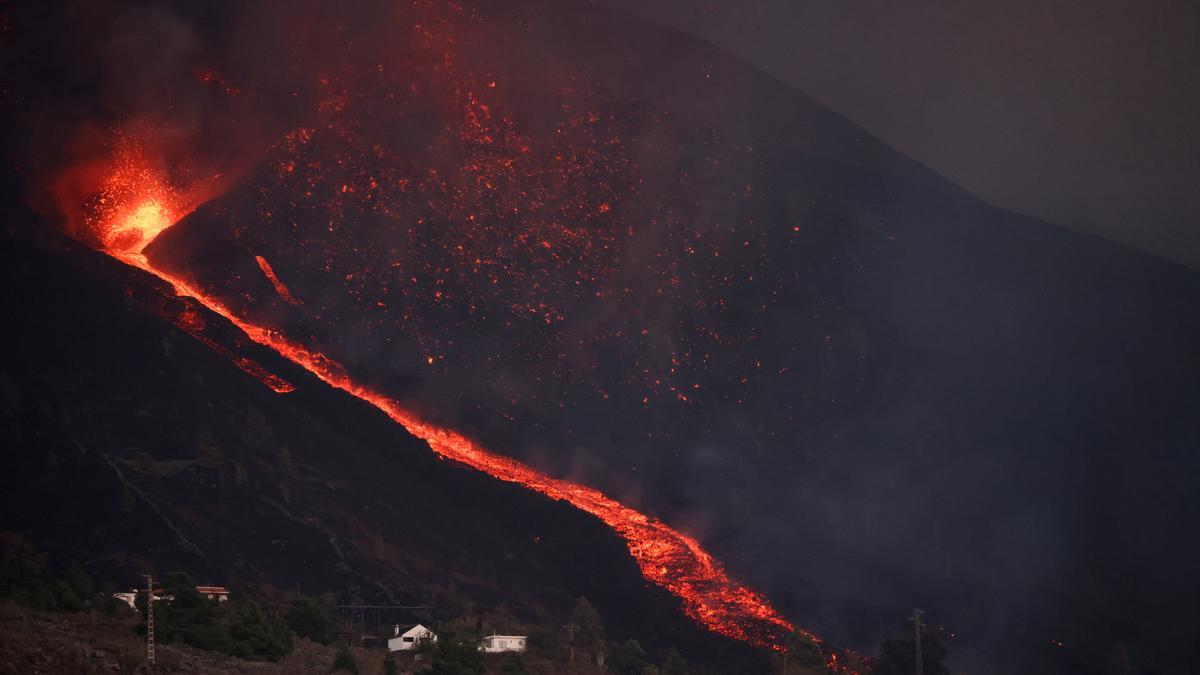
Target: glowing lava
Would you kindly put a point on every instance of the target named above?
(280, 288)
(140, 227)
(666, 557)
(133, 204)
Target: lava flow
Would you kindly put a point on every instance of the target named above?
(666, 557)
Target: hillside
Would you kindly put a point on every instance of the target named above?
(135, 447)
(863, 387)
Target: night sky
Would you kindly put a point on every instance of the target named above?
(1084, 113)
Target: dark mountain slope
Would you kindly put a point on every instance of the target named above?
(133, 447)
(607, 248)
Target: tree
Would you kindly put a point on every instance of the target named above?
(188, 617)
(627, 658)
(674, 664)
(74, 592)
(312, 618)
(390, 667)
(589, 631)
(344, 661)
(803, 651)
(255, 635)
(239, 628)
(25, 579)
(457, 652)
(899, 656)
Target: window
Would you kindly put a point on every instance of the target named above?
(410, 639)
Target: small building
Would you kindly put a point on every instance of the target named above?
(502, 643)
(409, 636)
(218, 593)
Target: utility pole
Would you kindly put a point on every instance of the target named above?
(917, 626)
(150, 621)
(571, 628)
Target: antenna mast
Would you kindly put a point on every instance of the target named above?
(150, 621)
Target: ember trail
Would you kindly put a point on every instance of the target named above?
(665, 556)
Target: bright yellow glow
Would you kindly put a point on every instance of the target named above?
(133, 232)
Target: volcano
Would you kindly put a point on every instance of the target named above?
(610, 255)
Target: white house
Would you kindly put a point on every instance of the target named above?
(502, 643)
(410, 636)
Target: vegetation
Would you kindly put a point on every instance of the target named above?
(390, 667)
(256, 635)
(26, 580)
(188, 617)
(242, 629)
(627, 658)
(312, 618)
(457, 651)
(803, 655)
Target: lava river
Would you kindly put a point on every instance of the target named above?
(665, 556)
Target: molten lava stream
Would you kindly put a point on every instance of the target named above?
(665, 556)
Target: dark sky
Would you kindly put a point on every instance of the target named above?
(1085, 113)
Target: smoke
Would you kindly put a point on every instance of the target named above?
(124, 84)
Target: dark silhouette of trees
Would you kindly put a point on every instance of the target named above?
(28, 581)
(456, 651)
(256, 635)
(627, 658)
(312, 618)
